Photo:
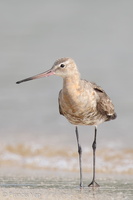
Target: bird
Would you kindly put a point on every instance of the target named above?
(81, 102)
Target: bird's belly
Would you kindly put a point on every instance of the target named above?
(84, 120)
(87, 116)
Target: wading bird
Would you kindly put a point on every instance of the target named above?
(81, 102)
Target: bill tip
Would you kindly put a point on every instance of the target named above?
(18, 82)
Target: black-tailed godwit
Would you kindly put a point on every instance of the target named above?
(81, 102)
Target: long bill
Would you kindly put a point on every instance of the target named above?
(44, 74)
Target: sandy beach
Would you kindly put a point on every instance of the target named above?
(51, 185)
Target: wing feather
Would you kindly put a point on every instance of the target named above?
(60, 110)
(104, 104)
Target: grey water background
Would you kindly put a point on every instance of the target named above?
(98, 35)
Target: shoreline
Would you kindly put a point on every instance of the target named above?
(20, 184)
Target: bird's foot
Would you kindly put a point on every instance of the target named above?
(93, 184)
(81, 186)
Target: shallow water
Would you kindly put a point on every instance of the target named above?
(63, 186)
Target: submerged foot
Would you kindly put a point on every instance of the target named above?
(81, 185)
(93, 184)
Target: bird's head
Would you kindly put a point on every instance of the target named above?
(64, 67)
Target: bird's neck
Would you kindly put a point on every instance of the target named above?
(71, 83)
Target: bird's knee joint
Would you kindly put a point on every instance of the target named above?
(94, 145)
(80, 150)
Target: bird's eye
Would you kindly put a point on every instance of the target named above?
(62, 65)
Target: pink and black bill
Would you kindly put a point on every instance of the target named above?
(44, 74)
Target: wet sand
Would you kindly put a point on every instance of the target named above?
(38, 184)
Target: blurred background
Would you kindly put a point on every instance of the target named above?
(98, 35)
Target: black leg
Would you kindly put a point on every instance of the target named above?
(93, 183)
(80, 154)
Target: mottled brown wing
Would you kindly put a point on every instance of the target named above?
(104, 104)
(60, 111)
